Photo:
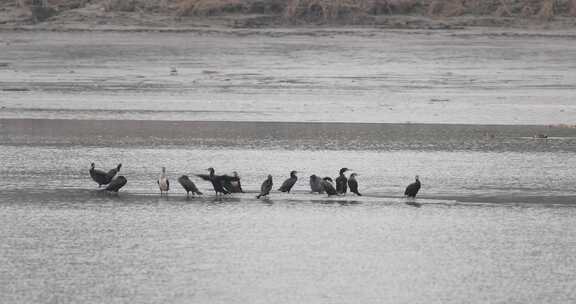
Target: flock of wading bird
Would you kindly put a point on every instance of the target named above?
(226, 184)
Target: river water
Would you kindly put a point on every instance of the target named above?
(493, 223)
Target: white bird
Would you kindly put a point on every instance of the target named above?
(163, 182)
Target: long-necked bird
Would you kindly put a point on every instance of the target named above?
(101, 177)
(232, 184)
(328, 187)
(316, 184)
(116, 184)
(289, 183)
(188, 185)
(266, 187)
(342, 182)
(163, 182)
(413, 188)
(353, 184)
(217, 181)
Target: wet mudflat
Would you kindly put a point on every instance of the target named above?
(360, 76)
(496, 214)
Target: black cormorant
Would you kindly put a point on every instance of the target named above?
(342, 182)
(188, 185)
(316, 184)
(232, 184)
(116, 184)
(328, 187)
(413, 188)
(266, 187)
(353, 184)
(101, 177)
(217, 181)
(112, 172)
(289, 183)
(163, 182)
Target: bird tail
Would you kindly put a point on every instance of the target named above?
(358, 193)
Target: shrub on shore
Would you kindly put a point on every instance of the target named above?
(332, 10)
(219, 7)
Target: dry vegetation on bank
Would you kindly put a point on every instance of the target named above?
(328, 10)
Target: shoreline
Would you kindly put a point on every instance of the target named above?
(281, 135)
(360, 30)
(287, 123)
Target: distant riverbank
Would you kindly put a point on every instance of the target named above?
(190, 15)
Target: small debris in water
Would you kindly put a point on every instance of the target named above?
(439, 100)
(540, 136)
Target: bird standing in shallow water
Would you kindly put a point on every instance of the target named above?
(342, 182)
(266, 187)
(353, 184)
(413, 188)
(116, 184)
(232, 184)
(316, 184)
(218, 181)
(188, 185)
(101, 177)
(328, 187)
(289, 183)
(163, 182)
(98, 176)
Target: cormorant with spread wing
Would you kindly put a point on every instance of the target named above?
(218, 181)
(233, 184)
(101, 177)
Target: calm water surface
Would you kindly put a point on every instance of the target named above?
(80, 247)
